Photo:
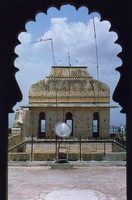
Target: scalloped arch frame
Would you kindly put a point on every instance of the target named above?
(20, 13)
(13, 16)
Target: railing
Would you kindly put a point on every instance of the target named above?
(121, 141)
(118, 129)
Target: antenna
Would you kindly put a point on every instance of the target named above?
(97, 58)
(96, 46)
(52, 47)
(61, 62)
(69, 59)
(97, 62)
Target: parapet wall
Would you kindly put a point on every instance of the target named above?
(121, 156)
(73, 147)
(85, 150)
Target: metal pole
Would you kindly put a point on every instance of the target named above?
(31, 130)
(52, 51)
(3, 156)
(80, 147)
(104, 148)
(32, 148)
(56, 152)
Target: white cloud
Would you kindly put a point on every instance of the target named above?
(25, 37)
(78, 39)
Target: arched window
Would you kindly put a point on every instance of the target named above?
(95, 125)
(42, 125)
(69, 121)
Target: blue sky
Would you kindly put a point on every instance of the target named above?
(72, 31)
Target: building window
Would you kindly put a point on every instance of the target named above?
(42, 126)
(69, 121)
(95, 125)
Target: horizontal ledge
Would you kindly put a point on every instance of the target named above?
(82, 105)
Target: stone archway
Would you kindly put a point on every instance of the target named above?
(96, 125)
(13, 16)
(41, 126)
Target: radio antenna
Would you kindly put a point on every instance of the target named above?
(52, 47)
(69, 59)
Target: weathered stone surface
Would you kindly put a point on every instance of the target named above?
(84, 182)
(68, 89)
(72, 84)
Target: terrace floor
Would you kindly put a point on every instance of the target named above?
(87, 180)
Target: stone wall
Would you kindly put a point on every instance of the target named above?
(82, 121)
(121, 156)
(13, 140)
(71, 84)
(73, 147)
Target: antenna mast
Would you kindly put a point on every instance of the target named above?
(96, 46)
(97, 62)
(69, 59)
(52, 47)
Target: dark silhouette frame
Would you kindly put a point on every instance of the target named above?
(13, 16)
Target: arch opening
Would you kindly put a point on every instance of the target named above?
(61, 35)
(96, 125)
(69, 121)
(129, 156)
(42, 126)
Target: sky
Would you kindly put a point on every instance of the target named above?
(71, 31)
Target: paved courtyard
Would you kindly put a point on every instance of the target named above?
(82, 182)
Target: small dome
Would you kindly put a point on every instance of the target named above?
(69, 84)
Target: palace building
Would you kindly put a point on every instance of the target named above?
(69, 94)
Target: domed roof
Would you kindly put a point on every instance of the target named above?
(69, 84)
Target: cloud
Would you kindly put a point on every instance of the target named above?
(25, 38)
(78, 39)
(74, 37)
